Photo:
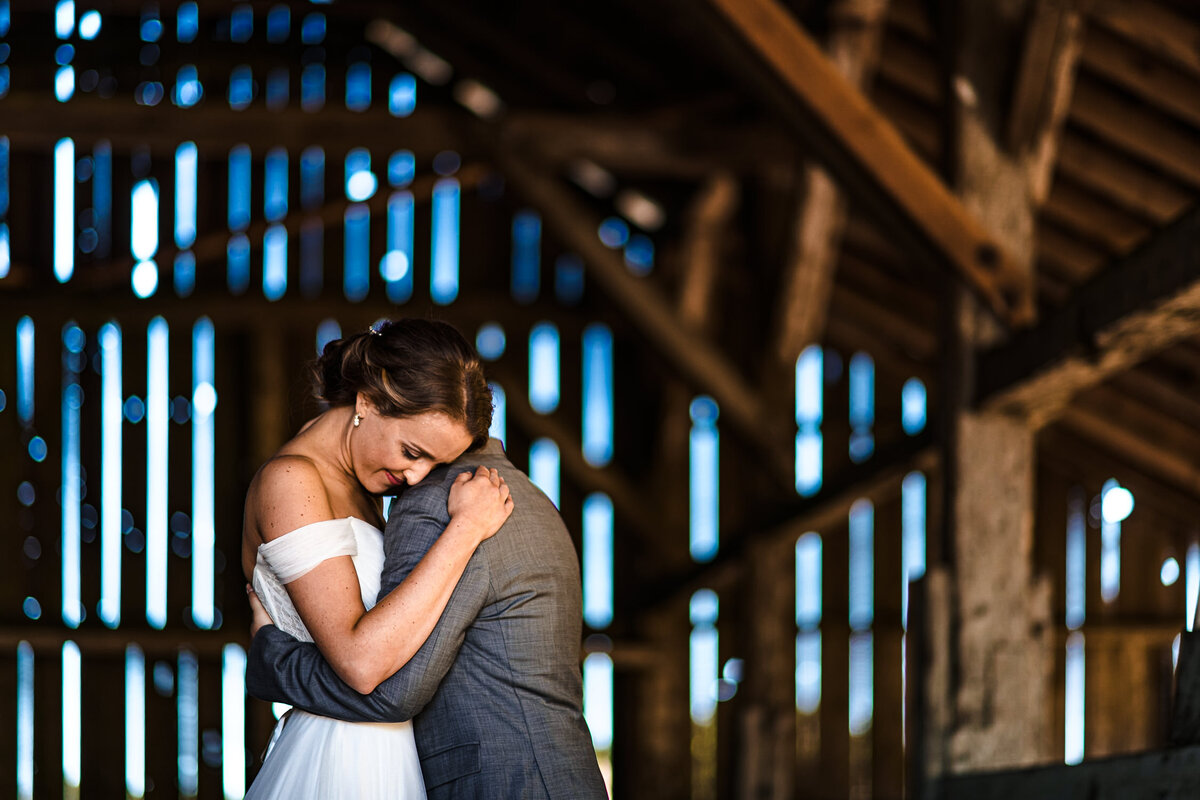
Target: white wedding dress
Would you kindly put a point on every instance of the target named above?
(317, 757)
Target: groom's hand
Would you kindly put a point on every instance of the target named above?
(258, 614)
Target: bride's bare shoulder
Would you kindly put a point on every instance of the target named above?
(288, 492)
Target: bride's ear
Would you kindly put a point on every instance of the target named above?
(363, 405)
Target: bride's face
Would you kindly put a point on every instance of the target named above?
(390, 452)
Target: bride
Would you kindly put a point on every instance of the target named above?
(404, 398)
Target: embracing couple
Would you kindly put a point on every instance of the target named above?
(462, 615)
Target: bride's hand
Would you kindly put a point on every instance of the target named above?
(480, 500)
(258, 614)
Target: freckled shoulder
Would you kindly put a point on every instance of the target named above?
(289, 493)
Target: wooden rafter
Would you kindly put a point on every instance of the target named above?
(1045, 80)
(1149, 300)
(868, 156)
(38, 121)
(821, 215)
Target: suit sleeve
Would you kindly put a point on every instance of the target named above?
(282, 669)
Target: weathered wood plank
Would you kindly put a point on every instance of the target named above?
(1135, 308)
(869, 158)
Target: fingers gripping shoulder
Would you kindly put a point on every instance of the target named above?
(289, 493)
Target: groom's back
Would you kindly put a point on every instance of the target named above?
(507, 721)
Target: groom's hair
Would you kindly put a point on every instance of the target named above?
(408, 367)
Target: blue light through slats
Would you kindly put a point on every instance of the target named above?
(5, 149)
(279, 24)
(72, 400)
(545, 467)
(810, 405)
(808, 620)
(443, 277)
(1191, 583)
(241, 23)
(5, 251)
(64, 18)
(188, 717)
(25, 668)
(312, 87)
(598, 699)
(597, 394)
(186, 167)
(204, 405)
(72, 708)
(275, 276)
(401, 169)
(704, 480)
(861, 607)
(703, 656)
(808, 581)
(241, 87)
(158, 415)
(597, 561)
(1073, 743)
(275, 184)
(188, 89)
(185, 274)
(237, 263)
(1110, 552)
(89, 25)
(361, 183)
(862, 683)
(544, 367)
(143, 236)
(233, 722)
(5, 17)
(110, 474)
(278, 89)
(912, 525)
(499, 428)
(135, 722)
(358, 86)
(568, 279)
(312, 29)
(526, 256)
(327, 331)
(25, 362)
(187, 22)
(490, 341)
(1076, 567)
(64, 209)
(64, 83)
(102, 197)
(808, 671)
(312, 178)
(402, 95)
(239, 188)
(396, 267)
(913, 406)
(862, 407)
(356, 277)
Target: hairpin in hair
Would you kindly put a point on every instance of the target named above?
(374, 331)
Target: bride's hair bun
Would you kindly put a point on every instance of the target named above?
(408, 367)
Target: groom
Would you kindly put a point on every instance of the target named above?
(494, 693)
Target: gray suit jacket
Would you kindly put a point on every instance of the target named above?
(495, 692)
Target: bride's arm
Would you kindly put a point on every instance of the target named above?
(365, 647)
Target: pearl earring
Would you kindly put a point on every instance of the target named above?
(357, 420)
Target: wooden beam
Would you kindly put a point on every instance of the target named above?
(1158, 82)
(38, 121)
(1125, 182)
(692, 353)
(1142, 454)
(869, 157)
(856, 31)
(1137, 307)
(638, 145)
(1045, 79)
